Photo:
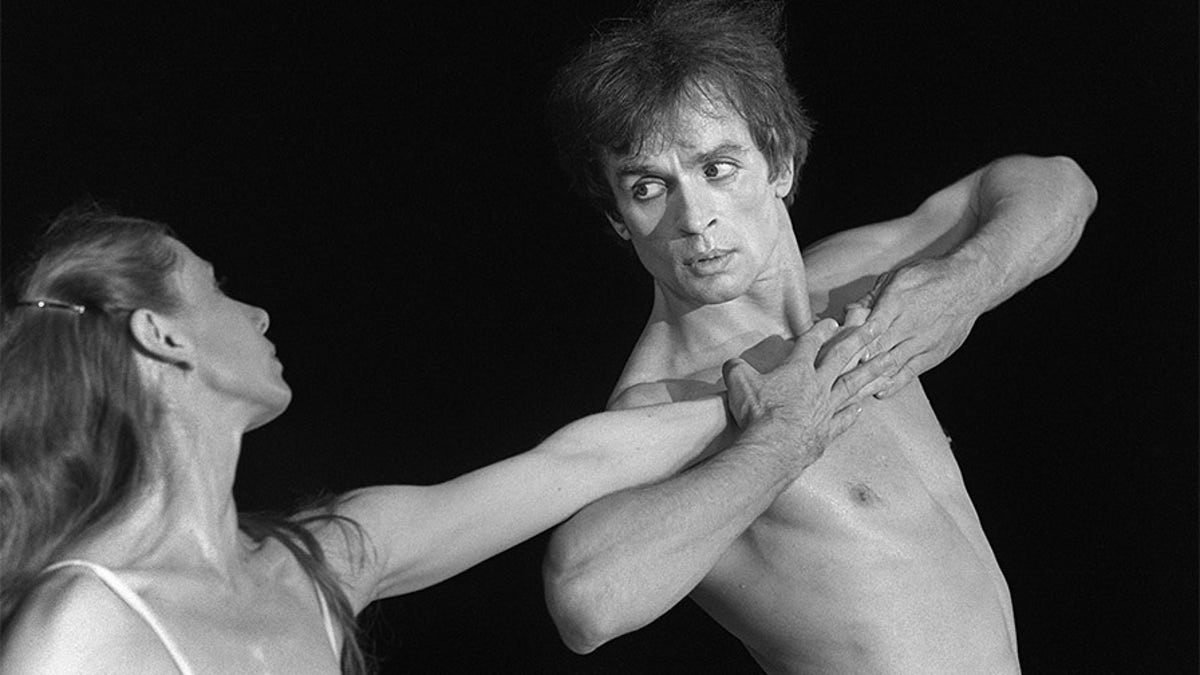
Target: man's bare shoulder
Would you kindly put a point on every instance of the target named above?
(72, 623)
(665, 391)
(640, 381)
(844, 266)
(659, 370)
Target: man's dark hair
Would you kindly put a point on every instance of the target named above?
(634, 77)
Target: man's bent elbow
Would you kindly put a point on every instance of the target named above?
(1085, 189)
(583, 617)
(1065, 182)
(1081, 196)
(576, 629)
(582, 623)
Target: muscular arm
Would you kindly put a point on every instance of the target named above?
(928, 276)
(417, 536)
(626, 559)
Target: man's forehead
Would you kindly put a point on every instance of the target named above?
(692, 131)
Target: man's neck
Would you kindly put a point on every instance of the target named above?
(775, 304)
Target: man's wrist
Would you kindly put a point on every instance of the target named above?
(777, 435)
(982, 280)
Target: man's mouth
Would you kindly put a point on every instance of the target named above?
(709, 261)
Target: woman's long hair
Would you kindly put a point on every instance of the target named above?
(76, 422)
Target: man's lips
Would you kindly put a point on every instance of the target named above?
(709, 263)
(708, 257)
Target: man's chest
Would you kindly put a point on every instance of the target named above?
(888, 477)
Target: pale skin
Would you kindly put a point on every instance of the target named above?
(233, 606)
(873, 560)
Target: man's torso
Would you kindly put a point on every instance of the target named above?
(872, 561)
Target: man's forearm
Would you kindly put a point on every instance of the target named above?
(968, 248)
(1030, 214)
(626, 559)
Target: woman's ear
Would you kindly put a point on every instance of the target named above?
(160, 338)
(619, 227)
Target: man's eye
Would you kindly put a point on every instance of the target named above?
(719, 170)
(648, 190)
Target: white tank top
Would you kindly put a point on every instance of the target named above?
(127, 594)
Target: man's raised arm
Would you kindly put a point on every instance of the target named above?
(928, 276)
(626, 559)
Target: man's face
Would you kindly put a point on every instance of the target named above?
(700, 207)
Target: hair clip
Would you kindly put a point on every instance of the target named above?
(51, 304)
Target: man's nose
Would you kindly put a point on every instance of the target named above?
(695, 209)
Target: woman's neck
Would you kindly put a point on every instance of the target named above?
(185, 519)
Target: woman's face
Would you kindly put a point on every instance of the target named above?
(232, 355)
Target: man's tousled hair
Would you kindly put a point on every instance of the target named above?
(630, 82)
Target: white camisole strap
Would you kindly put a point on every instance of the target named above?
(328, 618)
(123, 591)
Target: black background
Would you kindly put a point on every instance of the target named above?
(379, 179)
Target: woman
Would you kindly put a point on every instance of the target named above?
(128, 381)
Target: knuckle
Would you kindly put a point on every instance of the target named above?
(855, 379)
(840, 391)
(852, 345)
(886, 362)
(878, 386)
(813, 339)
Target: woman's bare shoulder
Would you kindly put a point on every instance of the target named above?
(71, 622)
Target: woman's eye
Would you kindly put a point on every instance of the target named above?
(648, 190)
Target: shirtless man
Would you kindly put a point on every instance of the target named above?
(872, 559)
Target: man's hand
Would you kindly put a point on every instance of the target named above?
(919, 316)
(770, 352)
(804, 392)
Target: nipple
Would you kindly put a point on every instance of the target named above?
(861, 494)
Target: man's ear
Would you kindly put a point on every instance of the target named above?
(617, 225)
(160, 338)
(784, 178)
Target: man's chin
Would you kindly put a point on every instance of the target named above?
(713, 294)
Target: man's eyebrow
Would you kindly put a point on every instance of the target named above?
(632, 167)
(726, 148)
(636, 166)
